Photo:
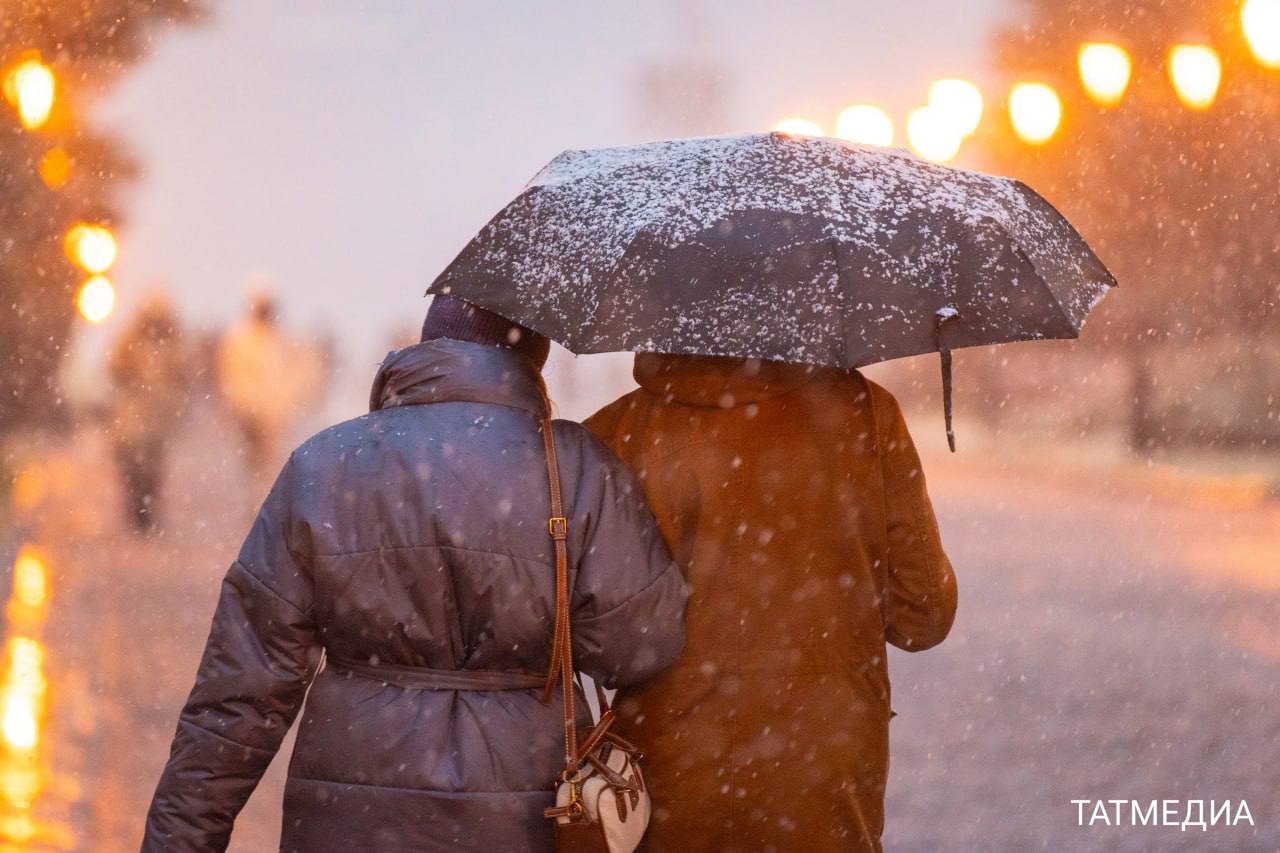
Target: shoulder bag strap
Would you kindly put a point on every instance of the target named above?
(561, 666)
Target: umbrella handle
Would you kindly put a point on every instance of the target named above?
(946, 396)
(943, 315)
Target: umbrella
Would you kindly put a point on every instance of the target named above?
(778, 247)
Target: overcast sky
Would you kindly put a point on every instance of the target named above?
(349, 149)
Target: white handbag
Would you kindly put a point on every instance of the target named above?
(614, 802)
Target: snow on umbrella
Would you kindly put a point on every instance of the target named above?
(782, 248)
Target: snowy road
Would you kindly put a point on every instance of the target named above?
(1106, 648)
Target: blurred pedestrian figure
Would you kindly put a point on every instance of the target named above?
(254, 359)
(794, 500)
(148, 373)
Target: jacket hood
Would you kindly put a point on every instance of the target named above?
(704, 380)
(450, 370)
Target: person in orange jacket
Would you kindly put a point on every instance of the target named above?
(794, 501)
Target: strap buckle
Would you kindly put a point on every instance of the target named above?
(558, 527)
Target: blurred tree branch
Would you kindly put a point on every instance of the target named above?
(87, 43)
(1180, 204)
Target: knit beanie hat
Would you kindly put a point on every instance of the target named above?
(450, 317)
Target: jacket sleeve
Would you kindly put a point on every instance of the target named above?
(920, 594)
(261, 654)
(629, 595)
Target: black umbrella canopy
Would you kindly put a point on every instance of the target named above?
(778, 247)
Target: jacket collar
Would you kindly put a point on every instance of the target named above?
(445, 370)
(711, 381)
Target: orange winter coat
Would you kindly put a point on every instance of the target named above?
(794, 501)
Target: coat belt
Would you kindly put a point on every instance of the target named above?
(422, 678)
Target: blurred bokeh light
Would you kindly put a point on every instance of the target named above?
(1036, 111)
(1105, 70)
(799, 127)
(22, 693)
(1261, 21)
(96, 299)
(29, 87)
(959, 102)
(54, 168)
(933, 135)
(91, 247)
(865, 124)
(1195, 71)
(30, 579)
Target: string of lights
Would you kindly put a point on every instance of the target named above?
(954, 109)
(31, 88)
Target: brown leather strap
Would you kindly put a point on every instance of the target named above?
(597, 734)
(603, 698)
(562, 638)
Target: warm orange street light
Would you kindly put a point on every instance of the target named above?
(1261, 22)
(29, 488)
(1195, 71)
(1105, 71)
(30, 578)
(91, 247)
(1036, 111)
(96, 299)
(799, 127)
(22, 693)
(865, 124)
(933, 135)
(29, 86)
(54, 168)
(958, 102)
(29, 598)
